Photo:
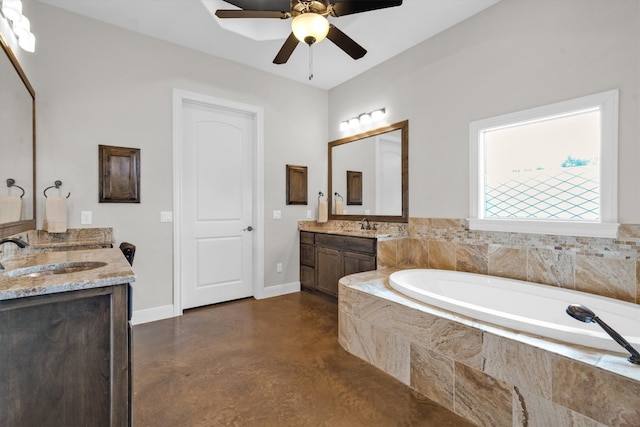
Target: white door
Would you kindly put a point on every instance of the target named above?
(216, 189)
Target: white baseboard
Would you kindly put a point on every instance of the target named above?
(152, 314)
(166, 311)
(277, 290)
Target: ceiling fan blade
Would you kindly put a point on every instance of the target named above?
(286, 50)
(226, 13)
(345, 43)
(347, 7)
(282, 5)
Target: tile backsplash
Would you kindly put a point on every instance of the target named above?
(602, 266)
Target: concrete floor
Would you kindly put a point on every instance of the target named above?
(274, 362)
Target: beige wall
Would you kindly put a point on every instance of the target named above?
(515, 55)
(98, 84)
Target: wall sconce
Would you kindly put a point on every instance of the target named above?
(20, 25)
(363, 119)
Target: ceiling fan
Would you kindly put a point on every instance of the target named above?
(310, 24)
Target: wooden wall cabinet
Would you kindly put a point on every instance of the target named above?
(65, 359)
(325, 258)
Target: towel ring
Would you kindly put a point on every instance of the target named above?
(12, 183)
(56, 184)
(320, 195)
(338, 195)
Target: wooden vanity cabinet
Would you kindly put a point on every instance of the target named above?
(65, 359)
(325, 258)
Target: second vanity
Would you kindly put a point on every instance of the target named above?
(331, 251)
(65, 353)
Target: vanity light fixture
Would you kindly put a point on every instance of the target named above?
(363, 118)
(20, 25)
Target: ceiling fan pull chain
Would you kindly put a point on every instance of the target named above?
(310, 61)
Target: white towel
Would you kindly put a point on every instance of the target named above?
(10, 209)
(322, 211)
(55, 215)
(339, 207)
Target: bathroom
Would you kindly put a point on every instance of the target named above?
(99, 84)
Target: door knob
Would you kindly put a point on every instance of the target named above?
(249, 228)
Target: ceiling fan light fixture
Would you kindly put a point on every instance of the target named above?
(310, 27)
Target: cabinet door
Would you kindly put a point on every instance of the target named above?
(357, 263)
(308, 276)
(329, 269)
(64, 359)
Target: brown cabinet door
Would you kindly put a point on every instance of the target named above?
(64, 359)
(357, 263)
(329, 269)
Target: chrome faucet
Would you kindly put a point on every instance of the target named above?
(18, 242)
(364, 224)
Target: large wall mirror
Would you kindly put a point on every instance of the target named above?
(17, 146)
(370, 173)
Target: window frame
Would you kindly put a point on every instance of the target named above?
(606, 226)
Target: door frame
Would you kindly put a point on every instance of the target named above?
(179, 98)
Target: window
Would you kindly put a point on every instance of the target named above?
(548, 170)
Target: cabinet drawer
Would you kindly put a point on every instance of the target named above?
(356, 244)
(307, 255)
(360, 244)
(307, 238)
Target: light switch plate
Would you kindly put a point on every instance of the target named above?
(166, 216)
(277, 214)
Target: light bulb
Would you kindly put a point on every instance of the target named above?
(27, 42)
(354, 122)
(22, 27)
(344, 125)
(12, 9)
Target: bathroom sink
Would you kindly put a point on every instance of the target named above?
(60, 268)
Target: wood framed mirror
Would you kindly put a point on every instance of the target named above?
(381, 157)
(17, 142)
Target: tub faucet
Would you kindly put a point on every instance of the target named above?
(18, 242)
(364, 224)
(583, 314)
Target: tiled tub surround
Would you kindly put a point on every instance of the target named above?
(489, 375)
(604, 266)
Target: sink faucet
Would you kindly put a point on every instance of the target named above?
(18, 242)
(364, 224)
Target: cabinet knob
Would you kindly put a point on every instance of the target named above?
(249, 228)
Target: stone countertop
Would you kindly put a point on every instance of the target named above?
(116, 271)
(382, 233)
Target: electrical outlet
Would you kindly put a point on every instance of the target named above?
(279, 267)
(277, 214)
(309, 216)
(86, 217)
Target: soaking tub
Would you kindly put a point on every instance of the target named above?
(522, 306)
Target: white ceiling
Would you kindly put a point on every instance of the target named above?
(191, 23)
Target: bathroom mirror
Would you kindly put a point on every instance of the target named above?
(381, 158)
(17, 141)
